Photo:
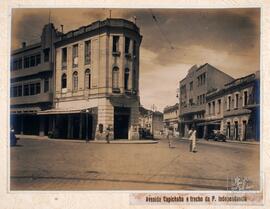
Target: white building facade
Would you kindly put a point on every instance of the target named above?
(97, 81)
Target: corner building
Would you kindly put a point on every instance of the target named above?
(97, 81)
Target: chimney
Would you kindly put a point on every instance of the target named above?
(62, 28)
(23, 44)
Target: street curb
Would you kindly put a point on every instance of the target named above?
(227, 141)
(125, 141)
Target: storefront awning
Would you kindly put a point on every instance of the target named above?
(58, 111)
(216, 122)
(25, 110)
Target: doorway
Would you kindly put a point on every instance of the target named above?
(228, 130)
(236, 128)
(121, 122)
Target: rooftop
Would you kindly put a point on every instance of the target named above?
(109, 22)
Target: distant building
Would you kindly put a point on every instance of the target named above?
(171, 118)
(193, 90)
(234, 109)
(31, 84)
(151, 121)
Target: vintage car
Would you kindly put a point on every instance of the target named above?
(216, 136)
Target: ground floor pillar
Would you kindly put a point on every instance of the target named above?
(205, 131)
(81, 126)
(133, 133)
(41, 126)
(21, 125)
(105, 121)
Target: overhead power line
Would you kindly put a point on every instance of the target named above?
(160, 30)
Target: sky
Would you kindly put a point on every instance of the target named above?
(173, 41)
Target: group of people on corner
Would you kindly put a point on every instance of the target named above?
(191, 136)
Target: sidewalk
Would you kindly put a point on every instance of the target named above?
(201, 140)
(118, 141)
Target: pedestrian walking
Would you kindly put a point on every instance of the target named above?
(108, 129)
(169, 136)
(192, 137)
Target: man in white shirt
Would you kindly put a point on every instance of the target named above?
(192, 137)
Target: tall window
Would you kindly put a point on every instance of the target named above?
(134, 52)
(64, 81)
(75, 81)
(87, 52)
(26, 62)
(26, 89)
(229, 98)
(245, 100)
(46, 54)
(126, 78)
(191, 86)
(64, 57)
(75, 55)
(115, 78)
(209, 108)
(87, 79)
(236, 103)
(127, 45)
(214, 107)
(219, 106)
(46, 85)
(115, 44)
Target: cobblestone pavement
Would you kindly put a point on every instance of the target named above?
(64, 165)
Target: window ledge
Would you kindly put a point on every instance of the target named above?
(116, 90)
(116, 54)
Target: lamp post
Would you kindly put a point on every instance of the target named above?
(86, 126)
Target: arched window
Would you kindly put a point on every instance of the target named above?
(75, 81)
(64, 81)
(115, 78)
(126, 78)
(87, 78)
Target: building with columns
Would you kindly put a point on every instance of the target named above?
(192, 99)
(234, 109)
(97, 82)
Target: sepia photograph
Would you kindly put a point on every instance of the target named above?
(135, 99)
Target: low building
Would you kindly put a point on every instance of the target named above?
(31, 84)
(192, 99)
(234, 109)
(97, 82)
(171, 118)
(151, 122)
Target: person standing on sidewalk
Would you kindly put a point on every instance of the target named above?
(192, 137)
(108, 129)
(169, 136)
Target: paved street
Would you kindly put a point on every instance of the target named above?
(72, 165)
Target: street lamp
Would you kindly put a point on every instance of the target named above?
(86, 125)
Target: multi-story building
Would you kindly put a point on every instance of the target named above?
(31, 88)
(234, 109)
(97, 81)
(171, 117)
(192, 99)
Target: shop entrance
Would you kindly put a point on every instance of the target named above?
(121, 122)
